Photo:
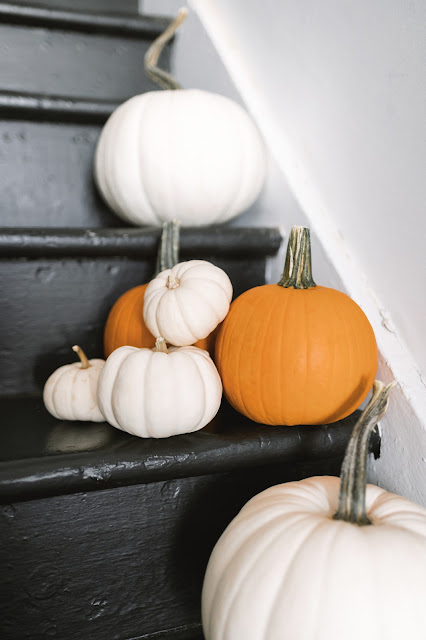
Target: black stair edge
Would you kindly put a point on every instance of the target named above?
(141, 26)
(39, 107)
(186, 632)
(231, 442)
(220, 240)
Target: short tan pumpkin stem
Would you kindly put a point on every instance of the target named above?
(353, 476)
(85, 364)
(159, 76)
(168, 253)
(161, 345)
(298, 265)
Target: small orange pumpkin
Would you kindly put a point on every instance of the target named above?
(125, 324)
(296, 353)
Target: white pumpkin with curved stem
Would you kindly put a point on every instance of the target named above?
(186, 154)
(186, 303)
(70, 392)
(157, 393)
(285, 568)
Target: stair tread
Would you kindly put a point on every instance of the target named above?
(41, 456)
(87, 21)
(222, 240)
(21, 105)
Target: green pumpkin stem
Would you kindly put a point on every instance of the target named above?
(353, 475)
(85, 364)
(163, 79)
(168, 252)
(298, 266)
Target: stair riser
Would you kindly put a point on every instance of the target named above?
(52, 304)
(72, 64)
(120, 563)
(46, 176)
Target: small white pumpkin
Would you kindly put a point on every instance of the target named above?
(186, 154)
(301, 562)
(70, 392)
(157, 393)
(186, 303)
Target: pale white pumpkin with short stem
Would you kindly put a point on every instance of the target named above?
(186, 303)
(157, 393)
(70, 392)
(186, 154)
(321, 559)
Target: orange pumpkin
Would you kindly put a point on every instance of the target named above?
(294, 352)
(125, 324)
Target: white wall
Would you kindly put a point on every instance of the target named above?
(336, 89)
(346, 82)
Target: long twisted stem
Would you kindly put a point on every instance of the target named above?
(159, 76)
(353, 475)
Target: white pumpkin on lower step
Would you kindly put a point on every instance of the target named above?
(70, 392)
(321, 559)
(157, 393)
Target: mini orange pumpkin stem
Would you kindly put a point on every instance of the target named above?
(159, 76)
(160, 345)
(85, 364)
(168, 253)
(353, 476)
(298, 266)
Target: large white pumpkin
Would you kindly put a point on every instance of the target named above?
(70, 392)
(284, 569)
(186, 154)
(157, 393)
(186, 303)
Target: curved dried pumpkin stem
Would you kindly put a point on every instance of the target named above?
(159, 76)
(168, 252)
(85, 364)
(298, 264)
(353, 476)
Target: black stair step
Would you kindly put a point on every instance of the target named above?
(46, 177)
(57, 286)
(76, 54)
(105, 535)
(103, 6)
(41, 456)
(33, 107)
(222, 240)
(37, 15)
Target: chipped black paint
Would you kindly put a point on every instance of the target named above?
(141, 242)
(124, 562)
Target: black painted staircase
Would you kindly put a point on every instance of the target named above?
(104, 536)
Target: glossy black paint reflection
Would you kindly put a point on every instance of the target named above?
(42, 456)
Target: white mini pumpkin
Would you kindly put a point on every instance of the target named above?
(286, 569)
(70, 392)
(186, 154)
(157, 393)
(186, 303)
